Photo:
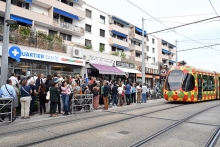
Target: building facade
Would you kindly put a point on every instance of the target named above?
(77, 31)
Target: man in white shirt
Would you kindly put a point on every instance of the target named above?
(144, 92)
(13, 79)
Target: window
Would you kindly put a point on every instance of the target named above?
(102, 33)
(174, 80)
(188, 82)
(88, 28)
(52, 33)
(102, 45)
(208, 83)
(88, 42)
(102, 19)
(153, 60)
(118, 24)
(170, 63)
(114, 49)
(66, 37)
(164, 61)
(153, 40)
(153, 50)
(88, 13)
(148, 48)
(147, 38)
(137, 55)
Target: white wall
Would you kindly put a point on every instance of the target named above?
(94, 36)
(151, 46)
(39, 9)
(41, 28)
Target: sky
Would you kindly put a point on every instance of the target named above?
(192, 36)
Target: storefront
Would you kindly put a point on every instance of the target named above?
(103, 69)
(129, 69)
(28, 62)
(151, 76)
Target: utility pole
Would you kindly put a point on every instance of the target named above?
(143, 53)
(176, 54)
(4, 61)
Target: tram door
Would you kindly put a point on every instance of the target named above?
(200, 87)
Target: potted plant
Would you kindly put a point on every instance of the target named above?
(102, 48)
(115, 53)
(123, 55)
(23, 35)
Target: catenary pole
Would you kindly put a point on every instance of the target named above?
(176, 54)
(4, 61)
(143, 53)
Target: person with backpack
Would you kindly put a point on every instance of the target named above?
(96, 90)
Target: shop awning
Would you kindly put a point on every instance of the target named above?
(28, 1)
(166, 51)
(120, 47)
(64, 13)
(108, 70)
(119, 34)
(120, 21)
(21, 19)
(140, 30)
(129, 70)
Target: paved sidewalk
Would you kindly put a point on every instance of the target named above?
(45, 117)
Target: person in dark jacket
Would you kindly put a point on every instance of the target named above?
(105, 97)
(115, 95)
(54, 96)
(48, 82)
(39, 81)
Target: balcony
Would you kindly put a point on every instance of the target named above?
(66, 27)
(138, 48)
(37, 17)
(165, 56)
(113, 41)
(118, 28)
(131, 46)
(139, 59)
(57, 4)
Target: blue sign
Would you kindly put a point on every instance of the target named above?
(15, 53)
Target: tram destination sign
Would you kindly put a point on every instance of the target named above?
(125, 65)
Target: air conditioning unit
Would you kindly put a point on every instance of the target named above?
(111, 21)
(77, 52)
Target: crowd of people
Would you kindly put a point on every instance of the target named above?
(54, 88)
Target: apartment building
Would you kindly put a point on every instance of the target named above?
(89, 35)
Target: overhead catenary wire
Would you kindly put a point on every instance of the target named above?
(167, 26)
(213, 8)
(199, 48)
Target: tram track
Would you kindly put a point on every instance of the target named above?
(94, 127)
(86, 118)
(214, 138)
(211, 141)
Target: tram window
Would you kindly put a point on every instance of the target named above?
(188, 83)
(174, 80)
(208, 83)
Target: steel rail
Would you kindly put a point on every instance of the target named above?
(214, 138)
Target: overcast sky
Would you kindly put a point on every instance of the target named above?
(206, 33)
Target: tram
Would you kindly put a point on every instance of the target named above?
(189, 84)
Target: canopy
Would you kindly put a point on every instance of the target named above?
(128, 70)
(21, 19)
(120, 21)
(120, 47)
(64, 13)
(166, 51)
(119, 34)
(140, 30)
(108, 70)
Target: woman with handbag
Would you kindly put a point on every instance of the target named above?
(65, 96)
(25, 99)
(42, 98)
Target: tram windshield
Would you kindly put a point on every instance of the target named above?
(174, 80)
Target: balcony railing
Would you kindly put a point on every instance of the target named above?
(125, 40)
(35, 42)
(68, 26)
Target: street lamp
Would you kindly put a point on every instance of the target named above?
(143, 53)
(11, 22)
(4, 61)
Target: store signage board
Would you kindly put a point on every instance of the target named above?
(101, 61)
(125, 65)
(16, 53)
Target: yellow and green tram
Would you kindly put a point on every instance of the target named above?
(189, 84)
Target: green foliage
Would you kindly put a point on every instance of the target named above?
(24, 30)
(123, 55)
(50, 37)
(13, 27)
(41, 35)
(102, 48)
(58, 38)
(88, 47)
(115, 53)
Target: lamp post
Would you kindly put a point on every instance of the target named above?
(4, 61)
(176, 54)
(143, 53)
